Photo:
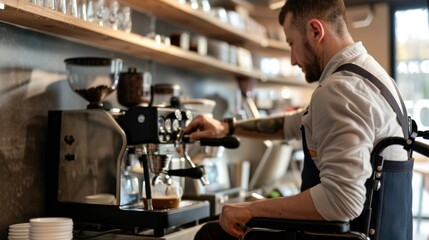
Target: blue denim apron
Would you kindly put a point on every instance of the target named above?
(391, 217)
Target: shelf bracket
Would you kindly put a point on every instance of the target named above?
(365, 22)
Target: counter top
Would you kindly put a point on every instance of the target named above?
(176, 234)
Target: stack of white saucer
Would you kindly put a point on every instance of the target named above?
(51, 228)
(19, 231)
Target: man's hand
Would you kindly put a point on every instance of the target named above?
(206, 127)
(234, 217)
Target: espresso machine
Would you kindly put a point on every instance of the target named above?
(113, 168)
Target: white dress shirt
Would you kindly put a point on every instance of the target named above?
(346, 117)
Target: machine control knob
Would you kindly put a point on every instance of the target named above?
(168, 125)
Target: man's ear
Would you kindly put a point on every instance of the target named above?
(315, 30)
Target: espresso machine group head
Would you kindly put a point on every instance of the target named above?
(148, 131)
(145, 125)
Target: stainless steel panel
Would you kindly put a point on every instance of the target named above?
(92, 145)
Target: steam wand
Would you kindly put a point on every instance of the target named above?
(204, 179)
(227, 142)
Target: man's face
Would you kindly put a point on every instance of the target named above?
(303, 54)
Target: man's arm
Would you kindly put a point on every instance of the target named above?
(234, 216)
(298, 206)
(263, 128)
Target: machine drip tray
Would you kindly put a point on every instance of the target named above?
(135, 218)
(184, 204)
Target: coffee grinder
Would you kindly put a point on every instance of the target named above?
(89, 166)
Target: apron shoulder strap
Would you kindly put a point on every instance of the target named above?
(402, 115)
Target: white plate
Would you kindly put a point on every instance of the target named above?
(48, 237)
(19, 235)
(20, 226)
(24, 231)
(51, 221)
(39, 229)
(18, 238)
(58, 235)
(52, 238)
(52, 225)
(19, 230)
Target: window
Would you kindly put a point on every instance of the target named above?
(411, 61)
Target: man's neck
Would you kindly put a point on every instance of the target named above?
(332, 46)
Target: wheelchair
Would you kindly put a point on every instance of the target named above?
(368, 226)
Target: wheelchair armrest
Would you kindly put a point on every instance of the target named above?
(299, 225)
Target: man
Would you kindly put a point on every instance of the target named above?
(346, 117)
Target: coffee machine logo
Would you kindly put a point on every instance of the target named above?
(141, 118)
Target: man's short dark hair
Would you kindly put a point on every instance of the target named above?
(331, 11)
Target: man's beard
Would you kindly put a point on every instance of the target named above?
(311, 67)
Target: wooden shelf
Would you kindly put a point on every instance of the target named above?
(173, 11)
(290, 81)
(24, 14)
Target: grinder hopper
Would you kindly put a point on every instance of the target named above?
(93, 78)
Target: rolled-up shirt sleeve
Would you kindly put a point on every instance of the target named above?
(292, 124)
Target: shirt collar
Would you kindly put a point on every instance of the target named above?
(343, 56)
